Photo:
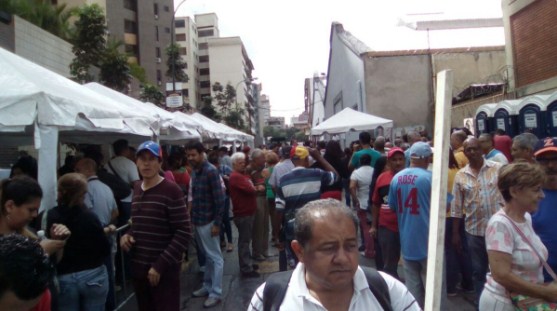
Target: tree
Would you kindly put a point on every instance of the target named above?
(208, 110)
(151, 93)
(89, 41)
(138, 72)
(115, 70)
(234, 119)
(173, 56)
(225, 96)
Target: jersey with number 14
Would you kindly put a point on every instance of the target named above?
(409, 197)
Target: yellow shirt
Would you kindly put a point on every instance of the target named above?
(461, 159)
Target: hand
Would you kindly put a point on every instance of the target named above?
(153, 276)
(126, 242)
(373, 232)
(215, 230)
(59, 232)
(52, 246)
(551, 292)
(260, 188)
(110, 229)
(314, 153)
(280, 246)
(457, 243)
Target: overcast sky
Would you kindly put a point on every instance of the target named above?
(288, 40)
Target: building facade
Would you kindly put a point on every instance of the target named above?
(186, 36)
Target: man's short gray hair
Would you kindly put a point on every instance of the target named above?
(305, 217)
(256, 153)
(525, 141)
(237, 156)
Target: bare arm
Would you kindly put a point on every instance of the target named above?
(324, 164)
(354, 193)
(500, 264)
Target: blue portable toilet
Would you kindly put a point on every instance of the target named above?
(505, 117)
(551, 114)
(532, 115)
(484, 119)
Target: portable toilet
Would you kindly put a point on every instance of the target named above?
(505, 117)
(484, 119)
(532, 115)
(551, 114)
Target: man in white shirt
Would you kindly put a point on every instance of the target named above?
(328, 276)
(359, 190)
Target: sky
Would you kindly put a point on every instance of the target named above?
(288, 40)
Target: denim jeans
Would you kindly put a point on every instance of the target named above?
(84, 290)
(415, 272)
(214, 265)
(480, 263)
(225, 227)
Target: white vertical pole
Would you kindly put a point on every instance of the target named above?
(438, 192)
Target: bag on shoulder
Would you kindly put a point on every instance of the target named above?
(277, 284)
(525, 303)
(120, 188)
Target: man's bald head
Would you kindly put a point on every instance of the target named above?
(87, 167)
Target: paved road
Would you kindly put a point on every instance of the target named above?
(237, 291)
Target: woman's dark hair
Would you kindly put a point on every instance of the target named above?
(27, 165)
(72, 188)
(213, 157)
(195, 145)
(175, 161)
(452, 160)
(333, 149)
(379, 167)
(21, 189)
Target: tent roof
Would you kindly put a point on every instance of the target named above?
(30, 93)
(350, 120)
(224, 132)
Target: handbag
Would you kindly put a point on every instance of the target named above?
(526, 303)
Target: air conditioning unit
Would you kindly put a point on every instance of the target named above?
(159, 82)
(159, 60)
(156, 16)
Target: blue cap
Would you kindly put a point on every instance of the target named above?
(420, 150)
(152, 146)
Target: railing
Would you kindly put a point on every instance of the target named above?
(124, 295)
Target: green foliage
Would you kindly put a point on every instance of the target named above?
(208, 110)
(290, 132)
(138, 72)
(89, 43)
(234, 119)
(52, 18)
(115, 70)
(225, 97)
(173, 56)
(152, 94)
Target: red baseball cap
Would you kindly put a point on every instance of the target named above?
(393, 151)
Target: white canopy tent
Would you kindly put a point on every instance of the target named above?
(225, 133)
(174, 127)
(350, 120)
(40, 107)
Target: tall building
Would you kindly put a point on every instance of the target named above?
(264, 109)
(207, 27)
(144, 27)
(186, 37)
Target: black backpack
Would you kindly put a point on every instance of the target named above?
(277, 284)
(120, 188)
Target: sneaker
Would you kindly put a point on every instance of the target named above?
(211, 302)
(251, 274)
(229, 247)
(202, 292)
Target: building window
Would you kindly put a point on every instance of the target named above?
(203, 46)
(205, 84)
(158, 51)
(206, 33)
(183, 51)
(156, 8)
(166, 8)
(180, 23)
(159, 75)
(167, 29)
(204, 59)
(186, 92)
(157, 33)
(204, 71)
(180, 37)
(130, 26)
(131, 50)
(130, 5)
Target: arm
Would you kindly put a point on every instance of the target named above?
(319, 159)
(242, 184)
(218, 196)
(354, 192)
(501, 263)
(456, 214)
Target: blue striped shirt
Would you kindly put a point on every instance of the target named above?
(207, 195)
(301, 186)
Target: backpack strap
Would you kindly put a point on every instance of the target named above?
(378, 287)
(275, 290)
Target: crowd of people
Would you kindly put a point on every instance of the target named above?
(320, 206)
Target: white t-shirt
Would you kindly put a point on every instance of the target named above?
(126, 169)
(363, 176)
(298, 298)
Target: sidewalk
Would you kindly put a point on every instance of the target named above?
(237, 291)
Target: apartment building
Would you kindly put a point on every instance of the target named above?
(186, 36)
(145, 29)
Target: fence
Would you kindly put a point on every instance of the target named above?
(122, 289)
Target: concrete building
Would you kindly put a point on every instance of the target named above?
(300, 122)
(399, 85)
(277, 122)
(207, 27)
(35, 44)
(144, 27)
(264, 110)
(314, 98)
(186, 36)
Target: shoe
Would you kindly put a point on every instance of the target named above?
(229, 247)
(202, 292)
(251, 274)
(255, 266)
(259, 257)
(211, 302)
(451, 294)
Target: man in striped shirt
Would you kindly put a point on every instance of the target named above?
(476, 196)
(159, 234)
(295, 189)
